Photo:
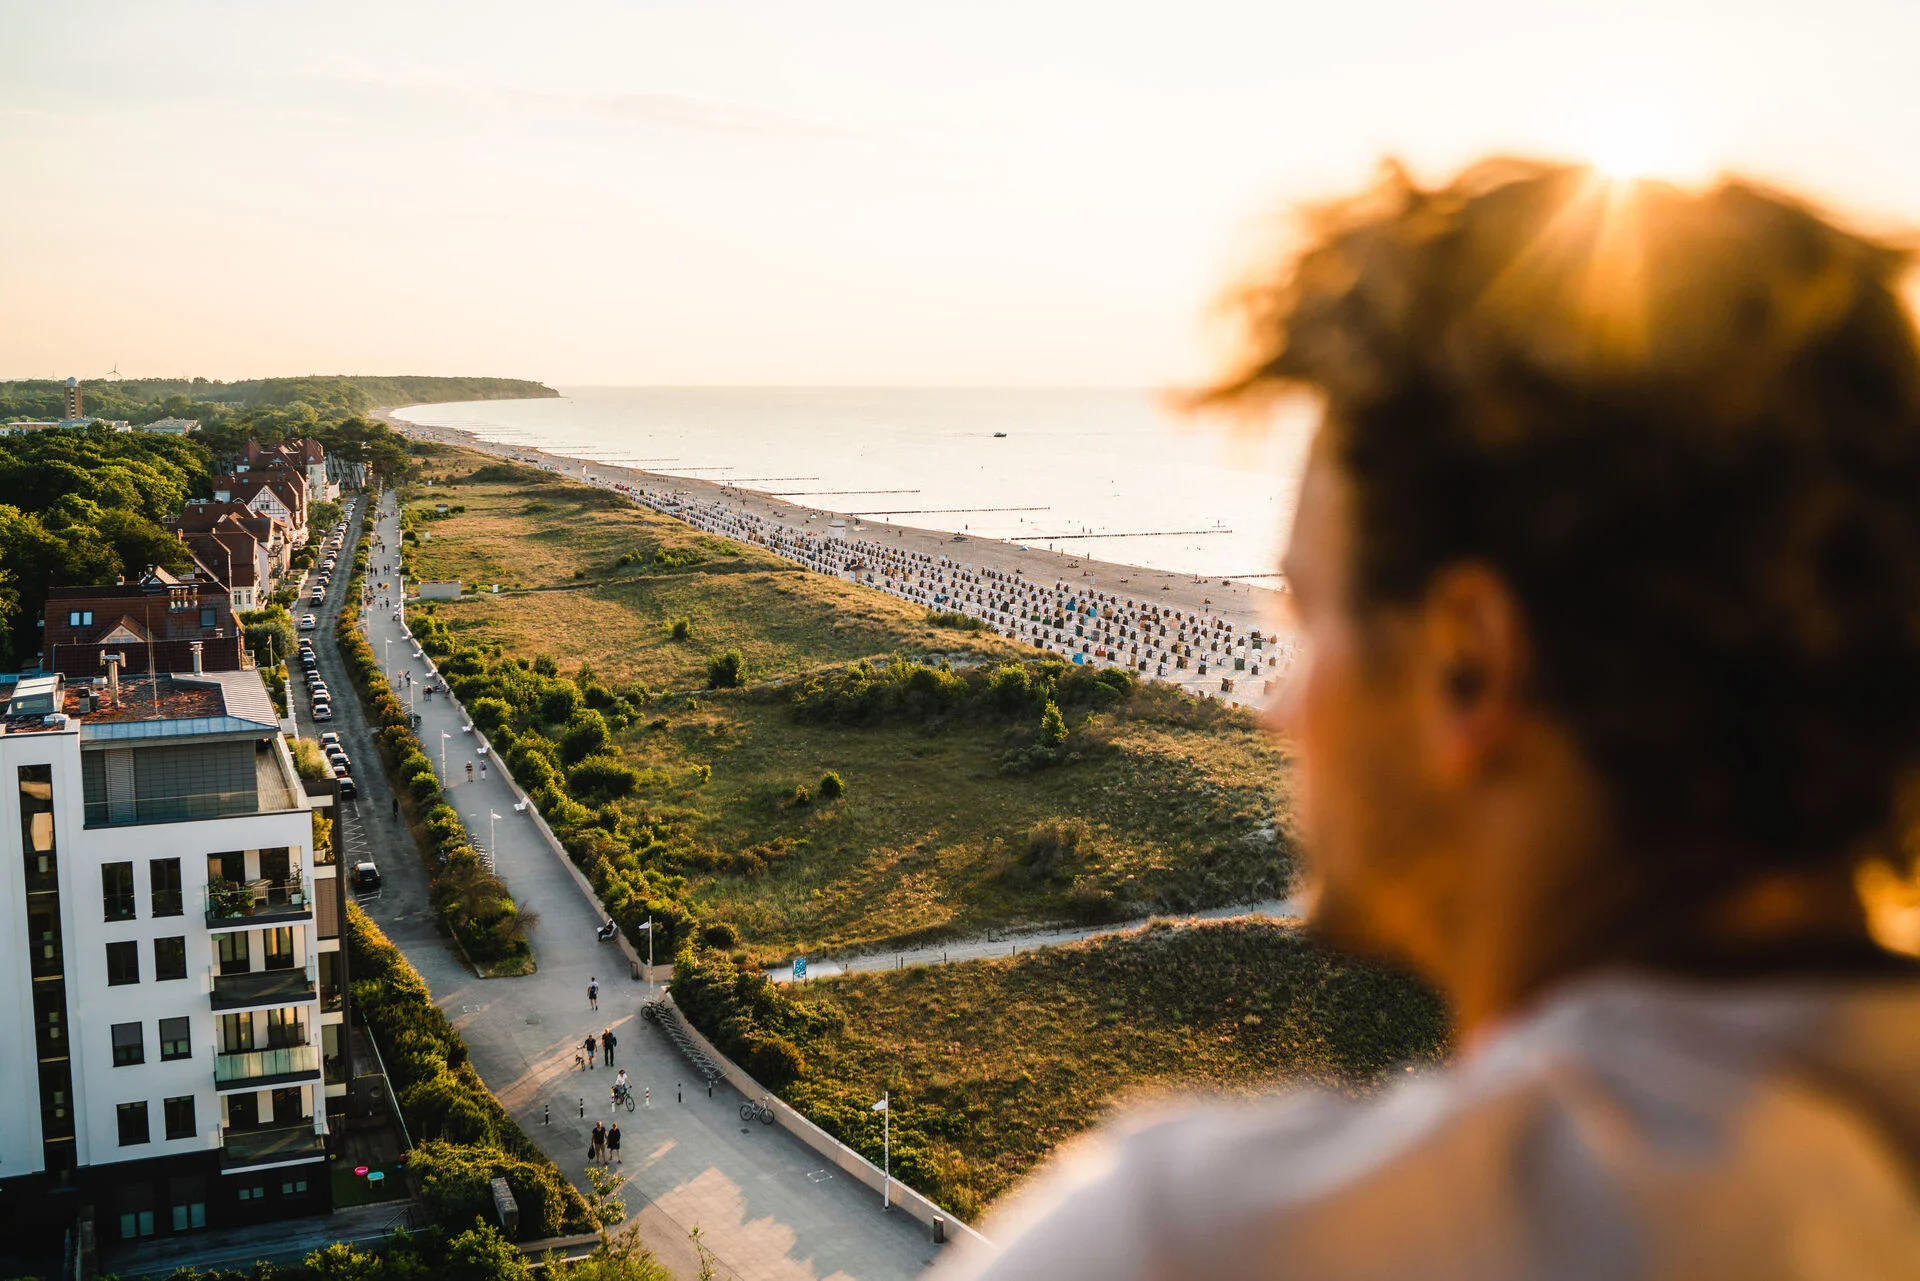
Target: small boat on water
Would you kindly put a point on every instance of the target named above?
(999, 435)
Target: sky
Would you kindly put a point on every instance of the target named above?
(823, 192)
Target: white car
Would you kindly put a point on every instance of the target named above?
(308, 622)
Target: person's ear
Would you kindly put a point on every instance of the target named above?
(1475, 656)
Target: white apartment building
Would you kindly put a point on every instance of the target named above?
(171, 980)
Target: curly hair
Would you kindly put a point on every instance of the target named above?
(1685, 426)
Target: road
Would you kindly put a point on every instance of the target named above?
(764, 1203)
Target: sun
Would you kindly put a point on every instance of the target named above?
(1638, 132)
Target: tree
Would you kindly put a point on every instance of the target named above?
(481, 1253)
(1053, 727)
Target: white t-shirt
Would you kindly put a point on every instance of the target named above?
(1628, 1128)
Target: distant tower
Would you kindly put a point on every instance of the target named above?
(73, 398)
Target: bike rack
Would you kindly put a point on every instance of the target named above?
(662, 1014)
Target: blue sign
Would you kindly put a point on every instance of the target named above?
(799, 967)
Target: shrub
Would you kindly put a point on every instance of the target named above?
(490, 713)
(544, 665)
(586, 735)
(775, 1061)
(832, 787)
(681, 629)
(1053, 727)
(424, 787)
(602, 777)
(726, 670)
(801, 796)
(719, 935)
(559, 703)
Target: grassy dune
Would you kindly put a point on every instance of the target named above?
(992, 1064)
(1168, 804)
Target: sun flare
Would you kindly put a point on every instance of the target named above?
(1641, 134)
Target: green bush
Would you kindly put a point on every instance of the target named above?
(832, 787)
(602, 778)
(423, 787)
(681, 629)
(720, 936)
(586, 735)
(775, 1061)
(801, 796)
(490, 713)
(559, 703)
(726, 670)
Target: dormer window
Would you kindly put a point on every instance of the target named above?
(79, 618)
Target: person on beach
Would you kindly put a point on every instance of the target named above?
(1607, 723)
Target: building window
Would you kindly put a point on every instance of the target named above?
(209, 618)
(252, 1191)
(188, 1197)
(133, 1124)
(176, 1039)
(116, 891)
(180, 1122)
(169, 958)
(123, 963)
(164, 873)
(79, 618)
(293, 1187)
(233, 953)
(279, 947)
(129, 1045)
(136, 1211)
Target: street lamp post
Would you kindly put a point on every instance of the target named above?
(444, 736)
(885, 1108)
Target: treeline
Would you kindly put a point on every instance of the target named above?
(142, 400)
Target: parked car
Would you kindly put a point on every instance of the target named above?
(308, 622)
(366, 877)
(347, 790)
(329, 739)
(322, 712)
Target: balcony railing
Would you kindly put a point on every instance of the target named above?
(172, 809)
(252, 1065)
(266, 1146)
(261, 987)
(257, 902)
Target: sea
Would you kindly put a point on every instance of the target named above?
(1112, 474)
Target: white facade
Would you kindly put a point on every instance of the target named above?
(239, 1035)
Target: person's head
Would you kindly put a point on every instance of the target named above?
(1607, 559)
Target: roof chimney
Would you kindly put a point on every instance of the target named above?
(113, 663)
(196, 647)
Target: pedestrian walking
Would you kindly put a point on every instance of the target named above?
(597, 1145)
(613, 1144)
(607, 1042)
(590, 1046)
(593, 994)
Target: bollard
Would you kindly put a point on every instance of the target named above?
(583, 1107)
(546, 1114)
(676, 1094)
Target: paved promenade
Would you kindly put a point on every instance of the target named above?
(764, 1203)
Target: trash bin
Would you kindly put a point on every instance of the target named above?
(939, 1230)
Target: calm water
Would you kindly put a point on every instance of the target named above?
(1154, 490)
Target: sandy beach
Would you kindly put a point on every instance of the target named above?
(1243, 604)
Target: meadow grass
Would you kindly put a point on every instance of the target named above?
(992, 1064)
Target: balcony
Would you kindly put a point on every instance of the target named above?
(258, 1069)
(238, 905)
(261, 987)
(272, 1145)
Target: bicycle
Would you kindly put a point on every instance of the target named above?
(623, 1096)
(761, 1111)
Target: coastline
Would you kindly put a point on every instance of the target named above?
(1241, 603)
